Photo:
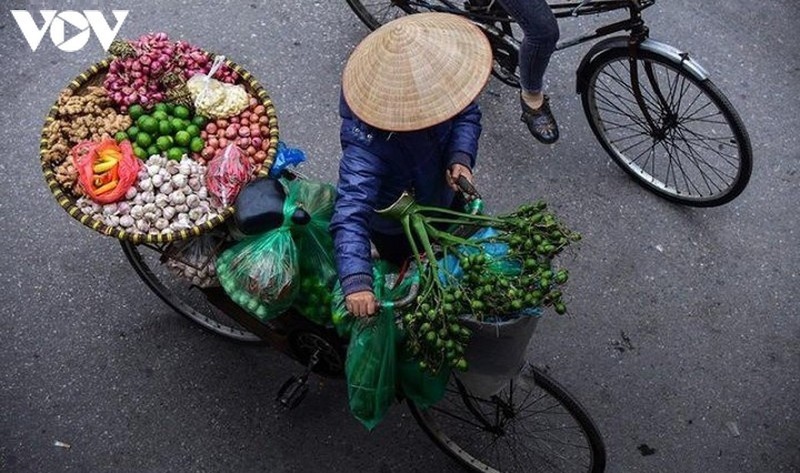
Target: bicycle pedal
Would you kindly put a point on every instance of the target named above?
(293, 391)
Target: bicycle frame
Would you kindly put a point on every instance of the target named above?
(488, 15)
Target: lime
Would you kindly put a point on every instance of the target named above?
(160, 115)
(143, 140)
(139, 152)
(175, 154)
(197, 144)
(160, 107)
(183, 138)
(181, 112)
(132, 132)
(164, 142)
(136, 111)
(164, 128)
(149, 124)
(169, 107)
(199, 121)
(120, 136)
(178, 124)
(193, 130)
(153, 150)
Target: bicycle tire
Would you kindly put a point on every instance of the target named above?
(375, 13)
(695, 180)
(551, 390)
(207, 317)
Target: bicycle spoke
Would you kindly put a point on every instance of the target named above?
(702, 140)
(646, 138)
(720, 174)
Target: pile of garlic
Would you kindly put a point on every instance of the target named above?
(168, 196)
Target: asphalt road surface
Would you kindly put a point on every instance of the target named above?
(682, 338)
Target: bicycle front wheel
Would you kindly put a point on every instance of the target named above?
(185, 298)
(534, 424)
(677, 136)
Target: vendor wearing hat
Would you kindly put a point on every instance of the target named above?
(408, 123)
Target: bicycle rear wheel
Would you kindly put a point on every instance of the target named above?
(185, 298)
(693, 149)
(534, 424)
(375, 13)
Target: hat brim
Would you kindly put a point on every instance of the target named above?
(417, 71)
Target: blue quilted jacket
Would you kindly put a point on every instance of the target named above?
(377, 166)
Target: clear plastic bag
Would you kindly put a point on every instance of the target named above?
(195, 259)
(227, 172)
(215, 99)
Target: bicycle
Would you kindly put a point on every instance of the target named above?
(653, 109)
(533, 419)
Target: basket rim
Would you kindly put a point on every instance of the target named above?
(68, 203)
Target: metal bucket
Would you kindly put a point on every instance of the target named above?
(496, 353)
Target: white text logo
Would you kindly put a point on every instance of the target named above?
(84, 23)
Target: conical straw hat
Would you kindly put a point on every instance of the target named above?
(417, 71)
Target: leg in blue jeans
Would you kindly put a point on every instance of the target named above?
(541, 34)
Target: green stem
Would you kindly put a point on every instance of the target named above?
(462, 215)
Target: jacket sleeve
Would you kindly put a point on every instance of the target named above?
(463, 145)
(360, 174)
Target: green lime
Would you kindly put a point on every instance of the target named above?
(197, 144)
(160, 107)
(149, 124)
(175, 153)
(120, 136)
(143, 140)
(136, 111)
(132, 132)
(153, 150)
(183, 138)
(170, 107)
(181, 112)
(178, 124)
(160, 115)
(139, 152)
(164, 142)
(164, 128)
(199, 121)
(193, 130)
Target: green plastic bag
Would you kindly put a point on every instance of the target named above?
(422, 388)
(314, 248)
(261, 272)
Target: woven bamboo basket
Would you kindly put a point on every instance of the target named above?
(94, 76)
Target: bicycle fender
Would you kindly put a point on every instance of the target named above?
(674, 55)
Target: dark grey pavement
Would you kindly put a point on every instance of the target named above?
(683, 335)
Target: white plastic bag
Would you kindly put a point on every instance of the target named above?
(215, 99)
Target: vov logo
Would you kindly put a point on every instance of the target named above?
(84, 23)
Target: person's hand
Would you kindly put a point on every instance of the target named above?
(361, 304)
(455, 171)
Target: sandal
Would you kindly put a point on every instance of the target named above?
(541, 122)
